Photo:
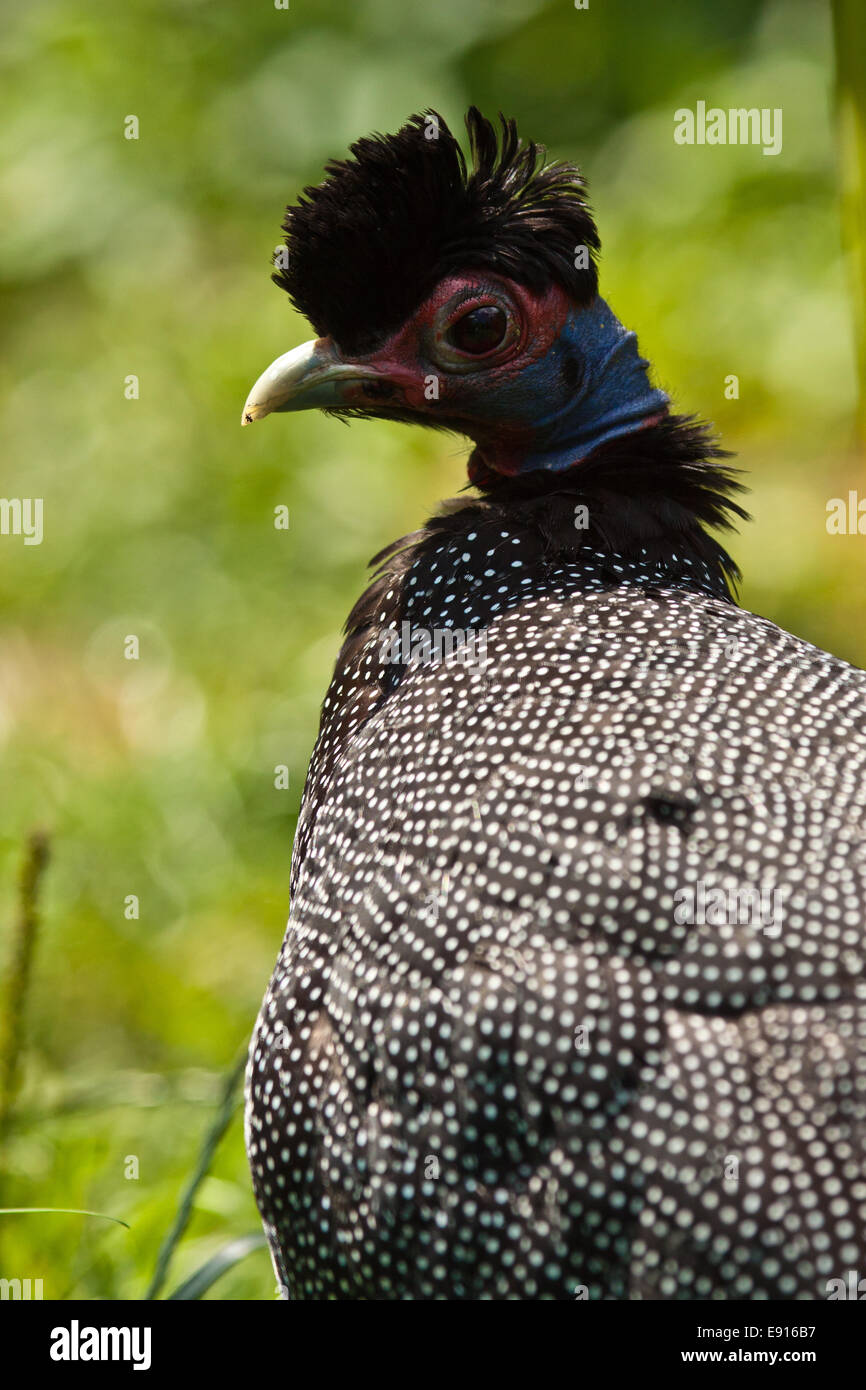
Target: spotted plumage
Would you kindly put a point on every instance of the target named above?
(571, 1000)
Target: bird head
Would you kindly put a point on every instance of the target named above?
(459, 294)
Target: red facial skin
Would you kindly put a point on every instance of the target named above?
(478, 394)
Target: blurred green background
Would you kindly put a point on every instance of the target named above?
(151, 258)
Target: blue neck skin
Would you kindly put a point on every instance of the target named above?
(612, 395)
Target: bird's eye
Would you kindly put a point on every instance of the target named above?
(479, 331)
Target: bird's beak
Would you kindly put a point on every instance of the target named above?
(310, 375)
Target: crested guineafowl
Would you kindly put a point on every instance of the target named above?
(571, 1000)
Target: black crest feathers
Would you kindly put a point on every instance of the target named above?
(369, 243)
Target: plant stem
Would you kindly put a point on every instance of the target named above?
(208, 1149)
(20, 971)
(849, 26)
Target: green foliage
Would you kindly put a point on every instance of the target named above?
(150, 258)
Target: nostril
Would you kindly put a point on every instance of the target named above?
(377, 390)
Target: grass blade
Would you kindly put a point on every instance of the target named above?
(213, 1269)
(61, 1211)
(208, 1149)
